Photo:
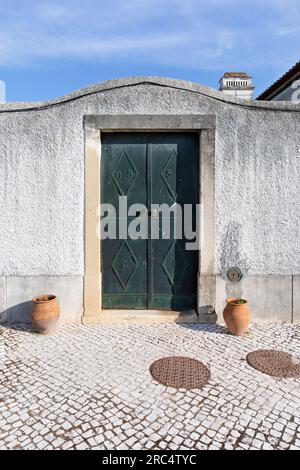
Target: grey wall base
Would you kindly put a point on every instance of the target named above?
(270, 298)
(16, 293)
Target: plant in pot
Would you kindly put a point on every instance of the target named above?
(44, 313)
(236, 315)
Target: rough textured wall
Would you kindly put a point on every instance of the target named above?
(42, 176)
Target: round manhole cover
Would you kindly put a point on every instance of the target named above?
(180, 372)
(275, 363)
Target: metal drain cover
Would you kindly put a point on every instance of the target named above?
(180, 372)
(275, 363)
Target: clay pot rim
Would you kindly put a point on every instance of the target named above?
(231, 301)
(50, 298)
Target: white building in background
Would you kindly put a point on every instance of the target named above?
(286, 88)
(2, 92)
(237, 84)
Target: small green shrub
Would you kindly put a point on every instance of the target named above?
(239, 301)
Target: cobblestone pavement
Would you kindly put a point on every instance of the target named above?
(88, 387)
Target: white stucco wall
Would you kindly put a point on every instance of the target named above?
(42, 176)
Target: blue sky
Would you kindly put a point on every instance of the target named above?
(48, 48)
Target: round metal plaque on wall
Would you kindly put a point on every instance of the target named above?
(234, 274)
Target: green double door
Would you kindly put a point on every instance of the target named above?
(149, 168)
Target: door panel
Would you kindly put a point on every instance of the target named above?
(123, 168)
(124, 274)
(124, 262)
(174, 180)
(149, 168)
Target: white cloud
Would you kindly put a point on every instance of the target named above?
(289, 31)
(191, 33)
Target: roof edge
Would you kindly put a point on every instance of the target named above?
(119, 83)
(279, 84)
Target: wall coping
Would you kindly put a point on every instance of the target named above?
(171, 83)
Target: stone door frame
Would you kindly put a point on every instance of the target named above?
(94, 125)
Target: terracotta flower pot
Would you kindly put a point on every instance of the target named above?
(236, 316)
(44, 313)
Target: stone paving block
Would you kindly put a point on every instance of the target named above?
(72, 382)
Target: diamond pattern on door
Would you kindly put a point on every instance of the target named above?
(168, 263)
(169, 174)
(175, 252)
(124, 174)
(124, 264)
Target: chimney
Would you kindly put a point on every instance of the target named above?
(237, 84)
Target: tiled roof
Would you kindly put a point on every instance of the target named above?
(284, 79)
(236, 74)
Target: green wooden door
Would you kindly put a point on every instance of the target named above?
(149, 168)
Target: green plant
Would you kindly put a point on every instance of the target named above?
(239, 301)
